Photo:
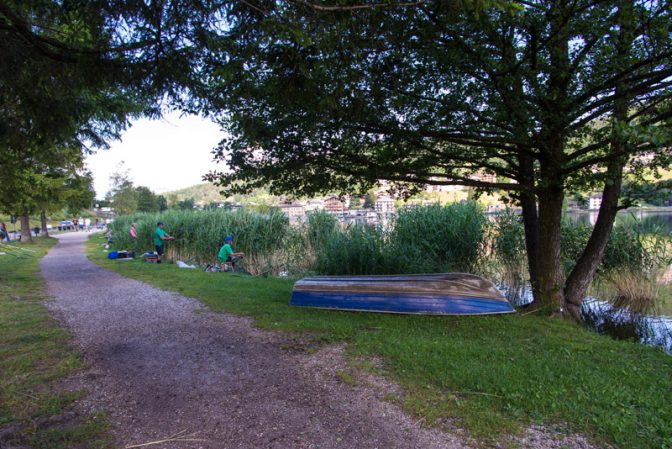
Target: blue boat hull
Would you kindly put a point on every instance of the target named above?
(425, 304)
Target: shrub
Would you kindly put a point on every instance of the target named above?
(440, 238)
(355, 250)
(508, 245)
(428, 239)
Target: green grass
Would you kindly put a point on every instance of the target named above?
(494, 375)
(34, 353)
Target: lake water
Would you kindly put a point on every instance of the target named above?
(660, 219)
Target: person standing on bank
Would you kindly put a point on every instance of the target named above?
(160, 236)
(134, 237)
(4, 234)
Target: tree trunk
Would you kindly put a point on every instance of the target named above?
(549, 271)
(43, 223)
(583, 272)
(528, 203)
(531, 224)
(25, 229)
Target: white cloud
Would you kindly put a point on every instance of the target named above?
(164, 155)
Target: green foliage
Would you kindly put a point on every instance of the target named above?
(490, 375)
(508, 244)
(430, 239)
(147, 200)
(123, 195)
(358, 249)
(625, 250)
(445, 238)
(187, 204)
(321, 226)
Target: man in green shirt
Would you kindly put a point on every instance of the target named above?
(160, 236)
(227, 257)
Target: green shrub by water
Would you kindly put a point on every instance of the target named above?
(430, 239)
(357, 249)
(440, 238)
(628, 248)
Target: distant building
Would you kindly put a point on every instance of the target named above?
(334, 204)
(385, 205)
(314, 204)
(484, 177)
(295, 211)
(441, 188)
(594, 202)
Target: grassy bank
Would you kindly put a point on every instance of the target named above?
(491, 375)
(34, 353)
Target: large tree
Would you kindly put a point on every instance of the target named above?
(550, 96)
(72, 75)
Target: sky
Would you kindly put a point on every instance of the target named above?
(164, 155)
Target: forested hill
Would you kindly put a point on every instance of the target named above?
(201, 193)
(207, 193)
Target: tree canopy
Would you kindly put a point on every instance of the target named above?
(549, 96)
(73, 74)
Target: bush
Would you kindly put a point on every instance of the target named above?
(355, 250)
(440, 238)
(508, 245)
(429, 239)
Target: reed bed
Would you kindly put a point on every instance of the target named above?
(266, 239)
(427, 239)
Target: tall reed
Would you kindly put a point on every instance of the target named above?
(265, 238)
(508, 244)
(428, 239)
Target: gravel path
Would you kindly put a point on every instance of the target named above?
(161, 363)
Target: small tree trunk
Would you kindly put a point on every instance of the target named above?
(531, 225)
(583, 272)
(528, 203)
(43, 223)
(25, 229)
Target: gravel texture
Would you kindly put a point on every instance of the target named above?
(161, 363)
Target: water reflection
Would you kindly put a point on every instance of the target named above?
(624, 325)
(650, 221)
(606, 319)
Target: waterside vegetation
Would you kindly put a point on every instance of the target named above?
(428, 239)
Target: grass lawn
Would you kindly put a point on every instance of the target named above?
(34, 353)
(493, 375)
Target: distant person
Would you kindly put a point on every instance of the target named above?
(134, 236)
(4, 233)
(227, 257)
(160, 237)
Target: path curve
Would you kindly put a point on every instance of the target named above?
(161, 363)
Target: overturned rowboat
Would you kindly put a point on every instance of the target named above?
(426, 294)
